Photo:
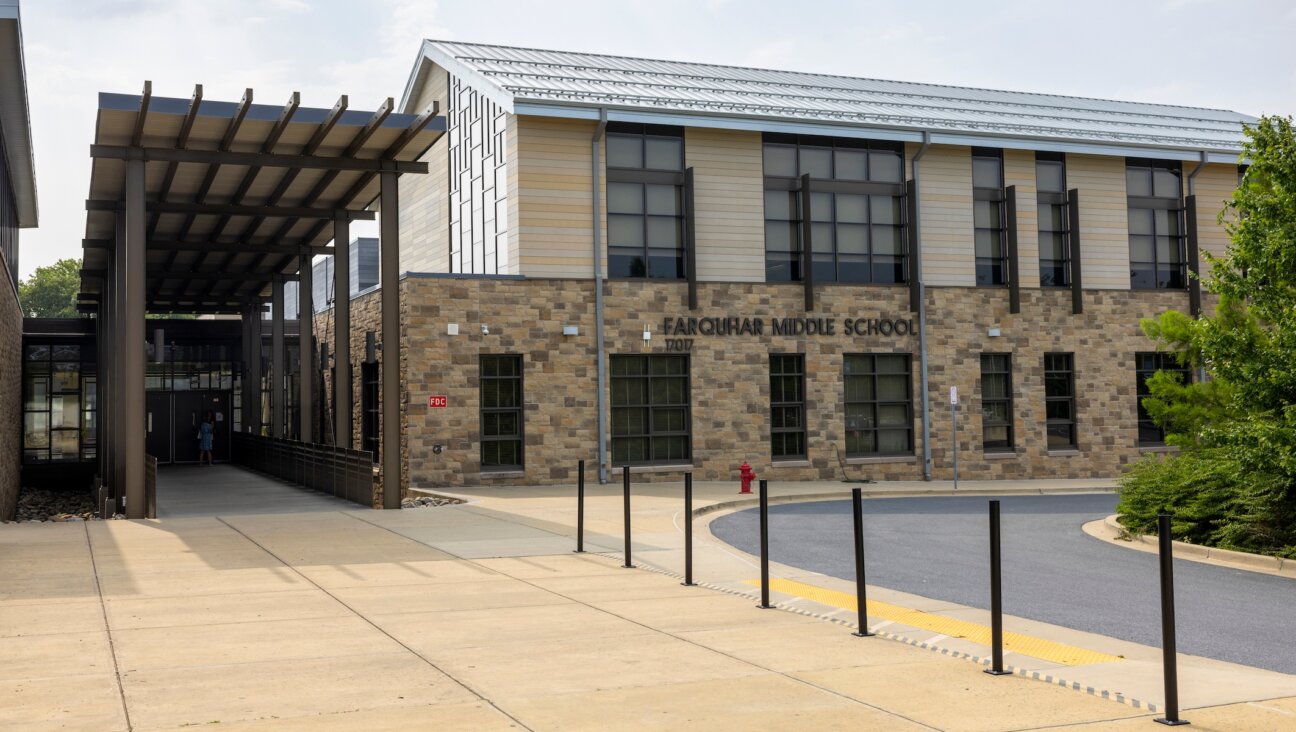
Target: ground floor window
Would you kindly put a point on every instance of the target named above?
(787, 406)
(650, 409)
(879, 404)
(370, 414)
(996, 402)
(1059, 400)
(60, 405)
(1147, 364)
(501, 412)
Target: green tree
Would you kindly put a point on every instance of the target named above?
(1234, 483)
(50, 292)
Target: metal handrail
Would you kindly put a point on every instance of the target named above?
(336, 471)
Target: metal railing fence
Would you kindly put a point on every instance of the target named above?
(336, 471)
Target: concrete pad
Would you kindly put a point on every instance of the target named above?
(519, 628)
(205, 695)
(18, 620)
(476, 716)
(39, 590)
(68, 533)
(230, 643)
(77, 702)
(579, 663)
(558, 565)
(377, 573)
(492, 593)
(631, 584)
(958, 697)
(766, 702)
(525, 547)
(205, 582)
(815, 646)
(1266, 716)
(705, 610)
(43, 656)
(202, 610)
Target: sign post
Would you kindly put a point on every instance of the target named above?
(954, 430)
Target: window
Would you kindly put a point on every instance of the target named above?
(60, 398)
(996, 402)
(650, 409)
(787, 406)
(879, 404)
(1156, 239)
(988, 217)
(645, 193)
(1059, 400)
(370, 409)
(501, 412)
(856, 209)
(1147, 364)
(1054, 239)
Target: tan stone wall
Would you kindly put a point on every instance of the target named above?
(10, 394)
(730, 374)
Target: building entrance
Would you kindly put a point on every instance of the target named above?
(172, 421)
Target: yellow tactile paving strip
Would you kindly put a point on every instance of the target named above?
(1013, 642)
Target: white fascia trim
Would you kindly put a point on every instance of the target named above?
(432, 52)
(759, 124)
(17, 123)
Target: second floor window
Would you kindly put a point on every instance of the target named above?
(645, 206)
(1156, 240)
(988, 217)
(1054, 239)
(856, 209)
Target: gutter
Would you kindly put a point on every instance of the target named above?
(596, 169)
(922, 314)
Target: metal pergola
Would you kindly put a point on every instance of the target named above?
(201, 206)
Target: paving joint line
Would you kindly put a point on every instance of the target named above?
(668, 634)
(375, 626)
(112, 646)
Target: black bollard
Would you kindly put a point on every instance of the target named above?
(688, 530)
(625, 483)
(1169, 655)
(580, 507)
(996, 597)
(861, 599)
(764, 544)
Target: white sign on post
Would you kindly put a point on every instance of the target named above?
(953, 395)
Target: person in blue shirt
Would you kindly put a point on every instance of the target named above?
(206, 432)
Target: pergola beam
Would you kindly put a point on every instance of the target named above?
(232, 209)
(257, 159)
(137, 136)
(209, 246)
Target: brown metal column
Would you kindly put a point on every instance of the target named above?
(131, 340)
(342, 330)
(278, 358)
(389, 277)
(252, 418)
(118, 385)
(305, 349)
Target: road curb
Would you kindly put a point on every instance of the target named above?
(754, 499)
(1110, 531)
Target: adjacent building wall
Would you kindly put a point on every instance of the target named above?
(10, 347)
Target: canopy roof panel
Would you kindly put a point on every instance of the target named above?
(235, 191)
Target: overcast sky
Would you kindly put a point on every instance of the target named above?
(1232, 54)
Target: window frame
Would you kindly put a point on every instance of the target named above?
(644, 177)
(519, 409)
(1054, 200)
(1174, 206)
(997, 197)
(1164, 362)
(650, 407)
(832, 187)
(799, 405)
(1007, 398)
(877, 403)
(1069, 398)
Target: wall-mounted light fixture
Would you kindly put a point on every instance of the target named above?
(452, 329)
(647, 334)
(485, 329)
(993, 333)
(571, 330)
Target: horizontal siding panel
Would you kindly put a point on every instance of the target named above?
(1214, 187)
(729, 202)
(1019, 171)
(1104, 221)
(552, 205)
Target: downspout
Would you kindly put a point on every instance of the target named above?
(596, 170)
(922, 315)
(1192, 191)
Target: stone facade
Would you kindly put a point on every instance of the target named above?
(729, 375)
(10, 394)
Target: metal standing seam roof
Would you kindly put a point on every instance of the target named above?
(235, 190)
(527, 80)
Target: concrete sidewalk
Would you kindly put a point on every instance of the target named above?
(476, 616)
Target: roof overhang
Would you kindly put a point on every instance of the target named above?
(429, 54)
(236, 193)
(15, 120)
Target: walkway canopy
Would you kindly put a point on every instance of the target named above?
(205, 206)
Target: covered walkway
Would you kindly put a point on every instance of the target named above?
(185, 491)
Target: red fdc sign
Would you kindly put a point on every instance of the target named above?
(437, 401)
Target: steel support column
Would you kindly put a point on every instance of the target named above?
(305, 349)
(252, 417)
(342, 331)
(131, 340)
(389, 277)
(278, 359)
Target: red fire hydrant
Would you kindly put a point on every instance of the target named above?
(747, 475)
